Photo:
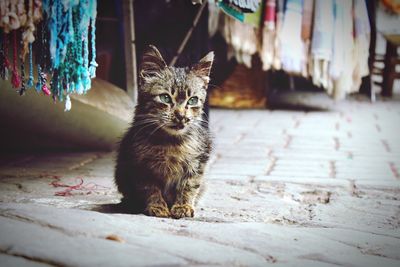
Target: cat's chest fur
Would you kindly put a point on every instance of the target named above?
(173, 162)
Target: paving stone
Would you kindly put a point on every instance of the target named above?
(141, 247)
(288, 188)
(56, 247)
(18, 261)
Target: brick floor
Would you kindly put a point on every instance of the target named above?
(289, 188)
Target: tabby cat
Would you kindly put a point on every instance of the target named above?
(161, 158)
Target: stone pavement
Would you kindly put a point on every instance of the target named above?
(286, 188)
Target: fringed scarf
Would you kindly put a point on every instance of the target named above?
(268, 35)
(280, 12)
(292, 51)
(65, 51)
(306, 28)
(242, 40)
(362, 31)
(325, 39)
(321, 46)
(342, 64)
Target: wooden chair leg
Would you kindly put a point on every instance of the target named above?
(389, 71)
(367, 83)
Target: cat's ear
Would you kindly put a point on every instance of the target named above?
(152, 62)
(203, 67)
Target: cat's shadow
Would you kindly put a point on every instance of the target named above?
(121, 208)
(114, 208)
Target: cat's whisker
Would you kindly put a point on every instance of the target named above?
(144, 122)
(141, 127)
(145, 125)
(202, 120)
(145, 116)
(156, 129)
(203, 113)
(196, 129)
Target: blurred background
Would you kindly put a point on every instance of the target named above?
(267, 54)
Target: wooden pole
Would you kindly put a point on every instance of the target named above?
(188, 34)
(130, 49)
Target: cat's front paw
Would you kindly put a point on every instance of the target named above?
(182, 210)
(158, 211)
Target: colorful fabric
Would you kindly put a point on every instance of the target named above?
(268, 35)
(338, 59)
(69, 24)
(323, 29)
(65, 48)
(306, 29)
(248, 12)
(292, 47)
(214, 15)
(327, 40)
(270, 14)
(306, 22)
(362, 31)
(242, 40)
(280, 11)
(321, 45)
(342, 64)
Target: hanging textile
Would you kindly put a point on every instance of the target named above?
(17, 25)
(214, 16)
(292, 46)
(62, 36)
(321, 46)
(240, 28)
(269, 31)
(325, 40)
(280, 11)
(306, 28)
(342, 65)
(362, 32)
(339, 34)
(248, 12)
(242, 40)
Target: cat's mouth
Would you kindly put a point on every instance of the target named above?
(177, 127)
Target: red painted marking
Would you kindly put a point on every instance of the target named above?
(350, 155)
(394, 170)
(386, 145)
(337, 143)
(349, 134)
(271, 166)
(332, 169)
(288, 141)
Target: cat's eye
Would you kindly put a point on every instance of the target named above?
(193, 100)
(165, 98)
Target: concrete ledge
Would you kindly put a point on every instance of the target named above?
(96, 120)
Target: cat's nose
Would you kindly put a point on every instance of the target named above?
(179, 116)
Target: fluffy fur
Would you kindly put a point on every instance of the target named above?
(161, 158)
